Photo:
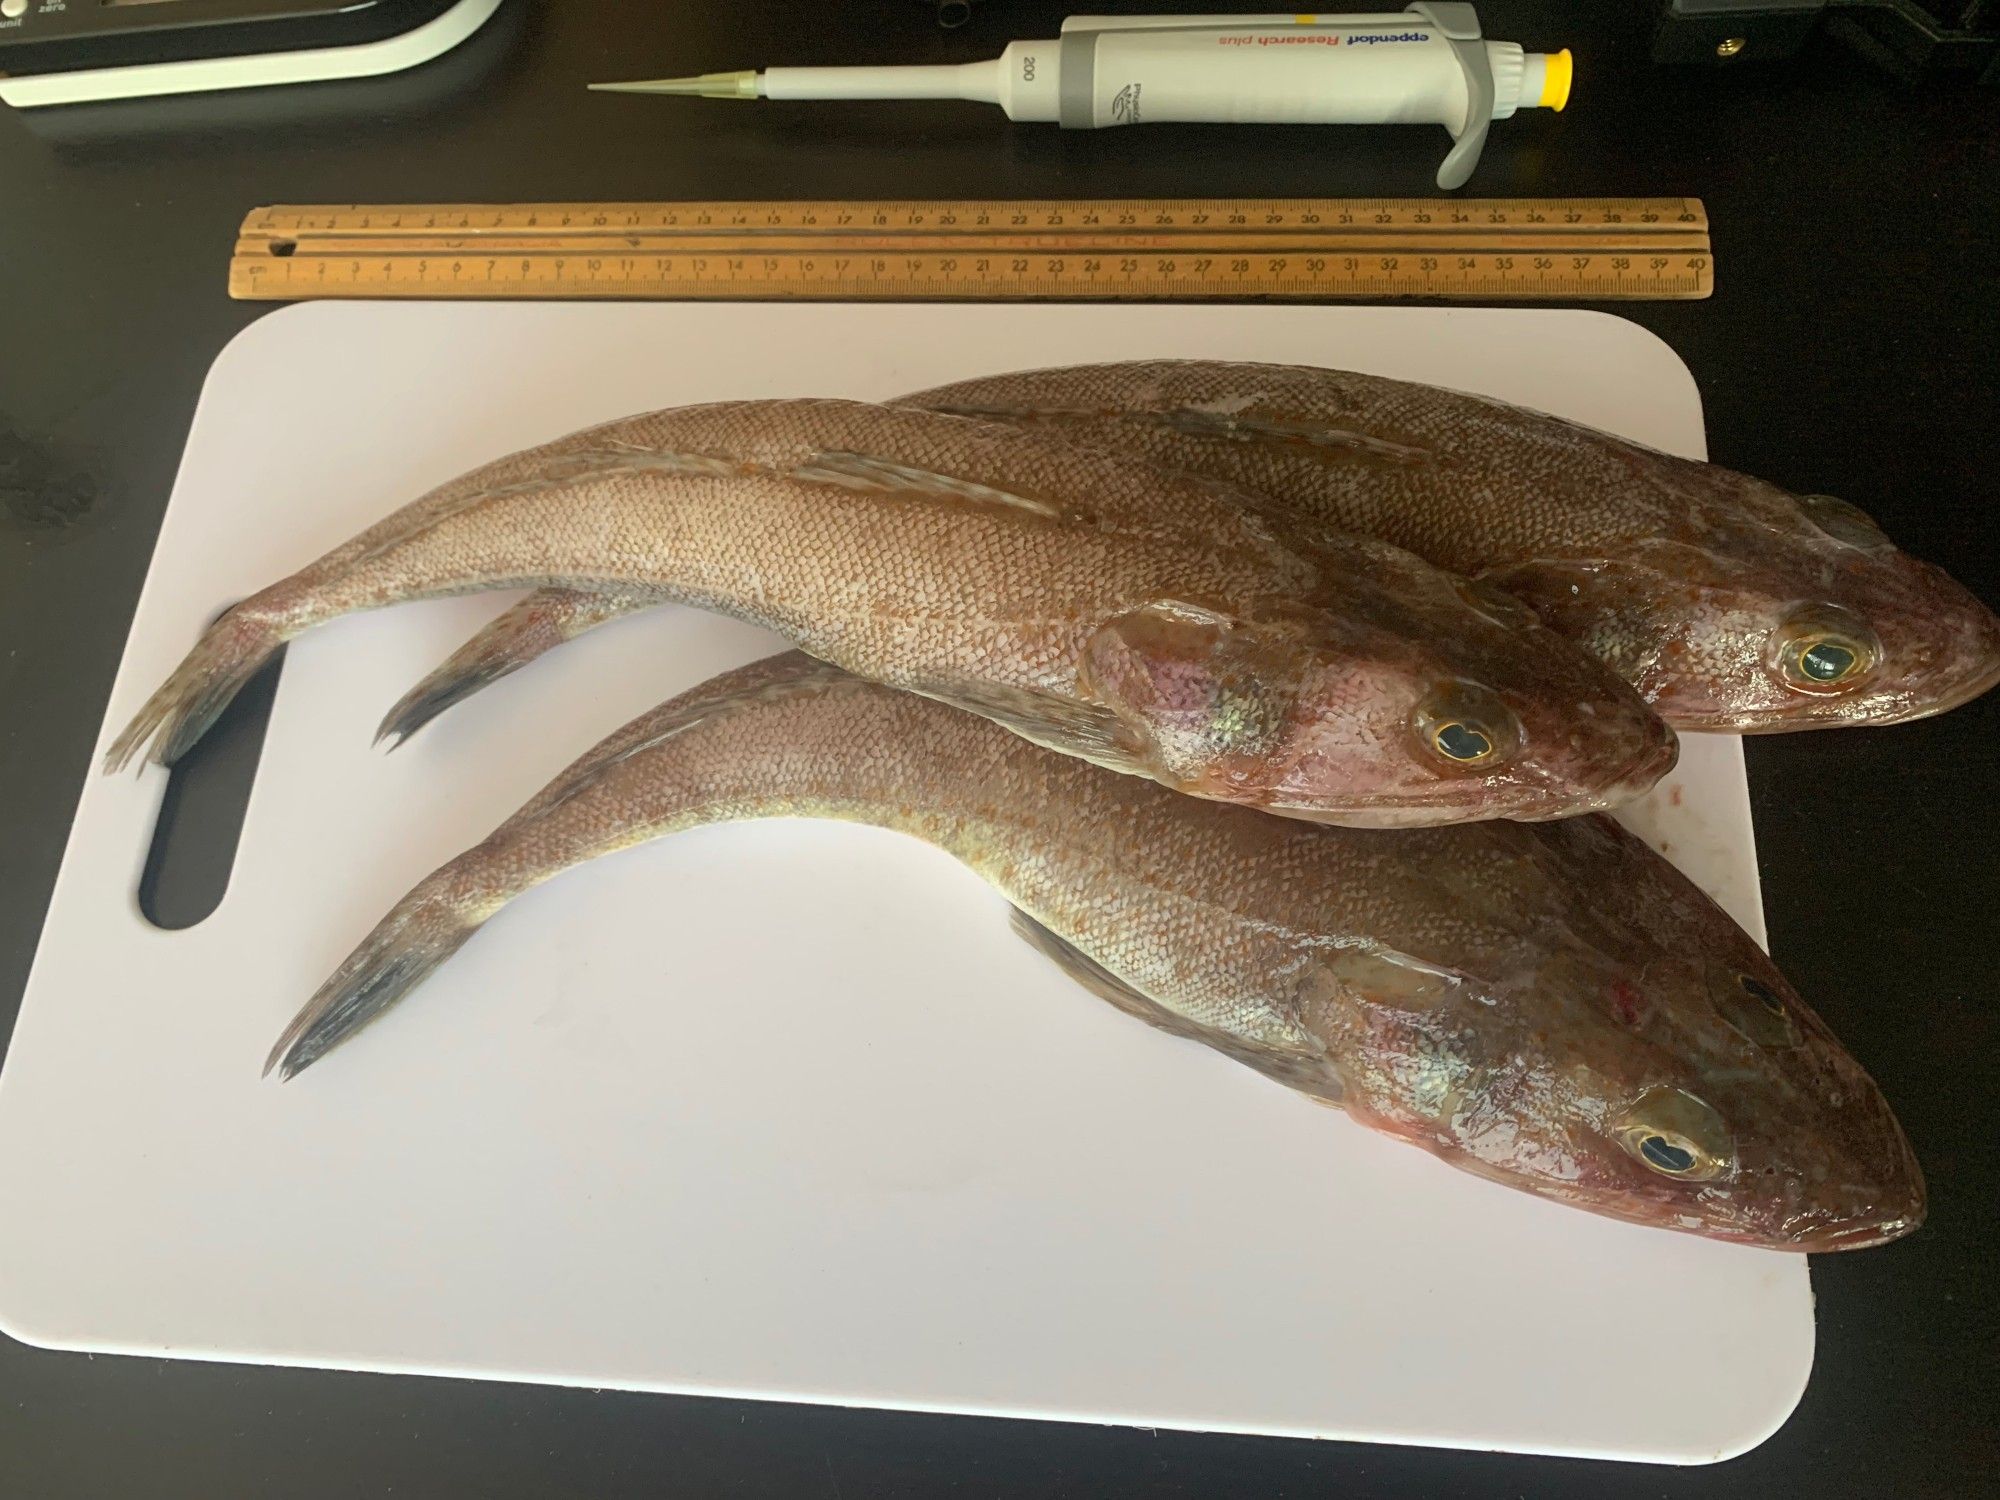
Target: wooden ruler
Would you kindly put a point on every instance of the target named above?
(1493, 249)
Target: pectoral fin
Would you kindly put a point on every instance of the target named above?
(1308, 1074)
(1087, 730)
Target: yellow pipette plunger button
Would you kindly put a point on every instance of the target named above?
(1557, 71)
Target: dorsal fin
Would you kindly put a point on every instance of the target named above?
(793, 674)
(1340, 440)
(865, 471)
(1196, 421)
(572, 466)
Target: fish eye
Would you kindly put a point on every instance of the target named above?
(1762, 993)
(1461, 741)
(1754, 1010)
(1824, 650)
(1828, 660)
(1667, 1155)
(1675, 1134)
(1467, 725)
(1843, 522)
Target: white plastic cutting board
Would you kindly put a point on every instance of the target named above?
(783, 1109)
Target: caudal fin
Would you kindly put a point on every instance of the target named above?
(405, 948)
(538, 624)
(562, 826)
(448, 686)
(180, 712)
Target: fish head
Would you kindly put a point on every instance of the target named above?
(1412, 711)
(1686, 1088)
(1727, 1108)
(1775, 612)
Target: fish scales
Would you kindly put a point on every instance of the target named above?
(1703, 587)
(1728, 603)
(1156, 624)
(1466, 989)
(1465, 481)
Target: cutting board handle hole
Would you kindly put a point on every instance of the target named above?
(201, 812)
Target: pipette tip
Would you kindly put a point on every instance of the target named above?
(702, 85)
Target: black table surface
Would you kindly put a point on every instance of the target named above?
(1850, 348)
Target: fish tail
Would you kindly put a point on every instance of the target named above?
(538, 624)
(426, 928)
(434, 920)
(188, 702)
(447, 687)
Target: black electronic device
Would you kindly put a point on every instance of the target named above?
(1917, 39)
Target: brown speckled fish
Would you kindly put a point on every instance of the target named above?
(1730, 603)
(1152, 622)
(1469, 989)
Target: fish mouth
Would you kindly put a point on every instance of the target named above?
(1902, 708)
(1568, 799)
(1969, 668)
(1883, 1199)
(1800, 1235)
(1863, 1236)
(1976, 683)
(1546, 798)
(1897, 1213)
(1866, 1217)
(1897, 1208)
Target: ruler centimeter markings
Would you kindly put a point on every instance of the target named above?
(1493, 249)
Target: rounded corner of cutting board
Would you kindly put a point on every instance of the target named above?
(1771, 1419)
(22, 1307)
(1789, 1343)
(1621, 335)
(1648, 346)
(1785, 1399)
(276, 328)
